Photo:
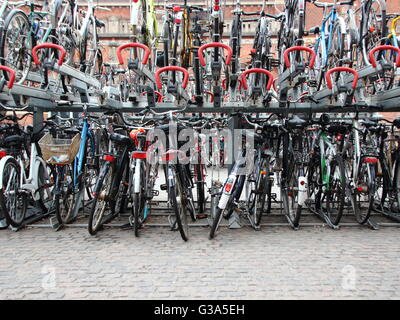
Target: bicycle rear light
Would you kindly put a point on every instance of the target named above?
(109, 158)
(139, 155)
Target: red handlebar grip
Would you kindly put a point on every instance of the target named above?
(340, 69)
(10, 82)
(380, 48)
(299, 48)
(257, 70)
(172, 68)
(133, 45)
(50, 46)
(213, 45)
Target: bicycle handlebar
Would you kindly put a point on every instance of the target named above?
(49, 46)
(10, 82)
(146, 49)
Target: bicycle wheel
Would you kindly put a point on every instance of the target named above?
(199, 170)
(121, 203)
(16, 45)
(314, 184)
(258, 195)
(333, 196)
(64, 199)
(91, 57)
(13, 200)
(364, 191)
(102, 198)
(336, 51)
(396, 187)
(290, 193)
(178, 201)
(234, 43)
(46, 201)
(373, 26)
(139, 202)
(62, 20)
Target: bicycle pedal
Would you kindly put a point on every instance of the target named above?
(164, 187)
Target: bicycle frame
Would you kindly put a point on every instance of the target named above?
(80, 158)
(327, 151)
(325, 46)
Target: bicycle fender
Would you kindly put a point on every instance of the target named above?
(102, 174)
(302, 193)
(137, 182)
(2, 165)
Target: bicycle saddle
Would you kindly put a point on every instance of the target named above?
(14, 141)
(100, 24)
(315, 30)
(368, 122)
(120, 139)
(396, 122)
(296, 122)
(338, 128)
(324, 119)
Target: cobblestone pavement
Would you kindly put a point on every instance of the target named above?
(239, 264)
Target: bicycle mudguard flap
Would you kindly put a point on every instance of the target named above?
(302, 193)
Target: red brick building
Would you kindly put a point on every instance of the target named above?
(117, 29)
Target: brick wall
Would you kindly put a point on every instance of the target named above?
(117, 23)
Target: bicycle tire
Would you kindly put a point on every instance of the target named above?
(200, 188)
(216, 221)
(64, 199)
(14, 219)
(289, 195)
(102, 197)
(180, 208)
(21, 67)
(367, 172)
(334, 216)
(138, 204)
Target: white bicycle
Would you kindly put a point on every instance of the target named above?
(22, 173)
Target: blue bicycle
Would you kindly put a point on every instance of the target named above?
(76, 175)
(332, 41)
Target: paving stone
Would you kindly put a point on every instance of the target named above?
(275, 263)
